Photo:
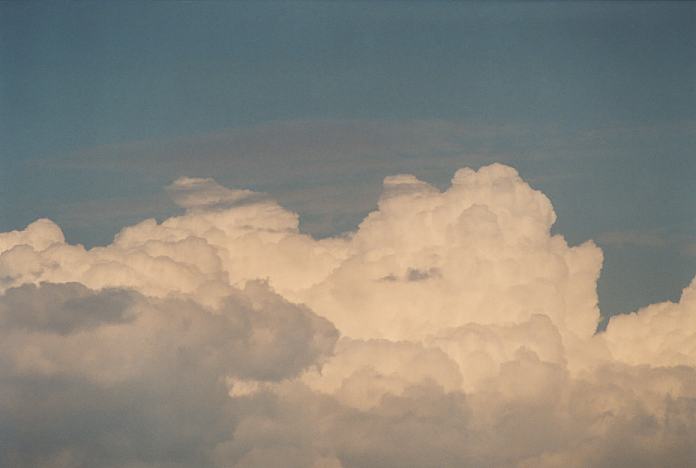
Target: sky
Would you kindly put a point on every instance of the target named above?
(104, 104)
(347, 234)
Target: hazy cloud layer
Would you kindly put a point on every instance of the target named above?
(348, 158)
(450, 329)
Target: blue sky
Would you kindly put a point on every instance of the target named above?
(103, 104)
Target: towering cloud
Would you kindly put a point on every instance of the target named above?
(450, 329)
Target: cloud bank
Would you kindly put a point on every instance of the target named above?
(450, 329)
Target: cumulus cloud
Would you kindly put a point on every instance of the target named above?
(450, 329)
(114, 378)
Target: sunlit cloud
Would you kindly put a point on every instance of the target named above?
(451, 328)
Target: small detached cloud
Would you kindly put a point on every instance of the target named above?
(196, 192)
(452, 328)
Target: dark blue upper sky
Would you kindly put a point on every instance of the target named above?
(102, 104)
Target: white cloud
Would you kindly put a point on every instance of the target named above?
(210, 339)
(661, 334)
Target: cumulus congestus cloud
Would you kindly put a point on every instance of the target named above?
(450, 329)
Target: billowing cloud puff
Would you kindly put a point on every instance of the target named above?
(661, 334)
(467, 338)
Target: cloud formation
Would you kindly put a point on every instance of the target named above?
(450, 329)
